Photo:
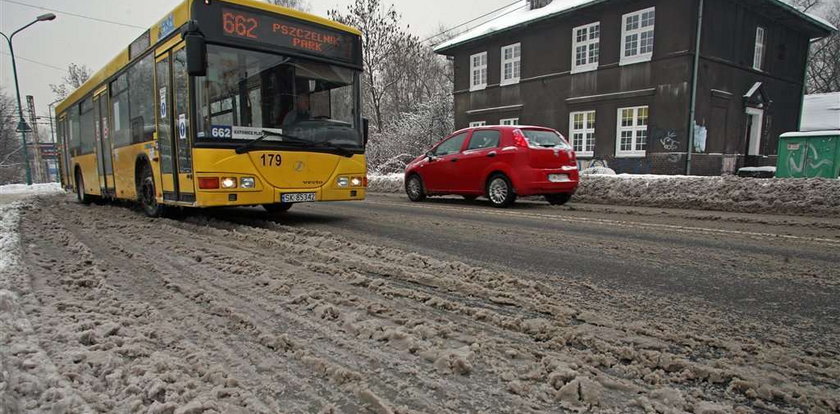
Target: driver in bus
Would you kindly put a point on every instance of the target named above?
(301, 112)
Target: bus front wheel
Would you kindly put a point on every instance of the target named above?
(147, 194)
(277, 209)
(80, 189)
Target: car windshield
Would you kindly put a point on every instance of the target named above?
(246, 94)
(548, 139)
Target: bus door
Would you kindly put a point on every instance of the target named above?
(174, 125)
(104, 149)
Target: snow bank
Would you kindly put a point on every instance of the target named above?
(9, 217)
(48, 188)
(819, 197)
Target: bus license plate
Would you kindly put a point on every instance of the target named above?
(298, 198)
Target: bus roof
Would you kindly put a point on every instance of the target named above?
(180, 15)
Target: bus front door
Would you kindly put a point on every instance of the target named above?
(174, 126)
(105, 162)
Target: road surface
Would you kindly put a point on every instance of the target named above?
(444, 306)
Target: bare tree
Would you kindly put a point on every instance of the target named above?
(806, 5)
(76, 76)
(824, 61)
(302, 5)
(384, 39)
(11, 154)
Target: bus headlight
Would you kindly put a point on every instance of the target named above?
(248, 182)
(228, 182)
(356, 182)
(343, 182)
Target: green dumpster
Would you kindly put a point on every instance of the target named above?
(809, 155)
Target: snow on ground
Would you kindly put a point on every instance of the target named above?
(820, 197)
(119, 313)
(48, 188)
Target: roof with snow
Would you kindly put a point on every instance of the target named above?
(520, 14)
(821, 112)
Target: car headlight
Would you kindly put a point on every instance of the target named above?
(228, 182)
(247, 182)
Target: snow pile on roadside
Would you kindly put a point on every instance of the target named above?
(748, 195)
(9, 217)
(47, 188)
(389, 183)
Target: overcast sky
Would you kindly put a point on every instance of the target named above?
(69, 38)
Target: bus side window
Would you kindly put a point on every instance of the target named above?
(141, 99)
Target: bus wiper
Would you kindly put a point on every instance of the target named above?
(265, 134)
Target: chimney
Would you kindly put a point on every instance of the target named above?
(536, 4)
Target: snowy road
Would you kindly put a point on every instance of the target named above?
(440, 307)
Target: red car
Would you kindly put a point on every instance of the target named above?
(499, 162)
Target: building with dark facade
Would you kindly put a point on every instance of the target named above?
(618, 78)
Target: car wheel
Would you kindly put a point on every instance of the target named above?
(500, 191)
(277, 209)
(80, 189)
(414, 188)
(558, 199)
(147, 194)
(470, 197)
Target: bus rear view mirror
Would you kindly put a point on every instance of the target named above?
(196, 54)
(365, 130)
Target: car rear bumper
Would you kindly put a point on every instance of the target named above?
(536, 182)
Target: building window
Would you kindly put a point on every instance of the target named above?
(582, 131)
(586, 47)
(632, 132)
(509, 121)
(478, 71)
(637, 36)
(478, 124)
(760, 46)
(511, 58)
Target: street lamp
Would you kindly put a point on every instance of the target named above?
(22, 126)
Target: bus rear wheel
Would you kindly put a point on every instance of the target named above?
(147, 194)
(80, 189)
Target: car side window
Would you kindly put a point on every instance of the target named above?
(484, 139)
(450, 146)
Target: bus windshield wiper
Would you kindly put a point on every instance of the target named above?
(248, 146)
(293, 140)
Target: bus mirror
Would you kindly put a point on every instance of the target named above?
(365, 130)
(196, 54)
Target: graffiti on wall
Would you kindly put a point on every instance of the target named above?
(808, 157)
(669, 141)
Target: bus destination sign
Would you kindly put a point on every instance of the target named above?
(284, 32)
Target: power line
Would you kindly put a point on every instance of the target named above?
(36, 62)
(81, 16)
(470, 21)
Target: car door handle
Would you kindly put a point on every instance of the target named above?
(492, 154)
(454, 160)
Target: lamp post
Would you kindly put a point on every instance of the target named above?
(22, 126)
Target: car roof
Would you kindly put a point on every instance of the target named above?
(502, 127)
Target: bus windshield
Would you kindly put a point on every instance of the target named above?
(247, 95)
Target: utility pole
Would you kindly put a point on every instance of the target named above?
(36, 140)
(22, 127)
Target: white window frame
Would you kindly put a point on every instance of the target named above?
(478, 124)
(760, 48)
(482, 71)
(635, 129)
(587, 44)
(515, 62)
(638, 32)
(588, 131)
(509, 121)
(756, 133)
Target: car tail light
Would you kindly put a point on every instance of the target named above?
(519, 139)
(208, 183)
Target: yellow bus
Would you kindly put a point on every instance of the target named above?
(222, 103)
